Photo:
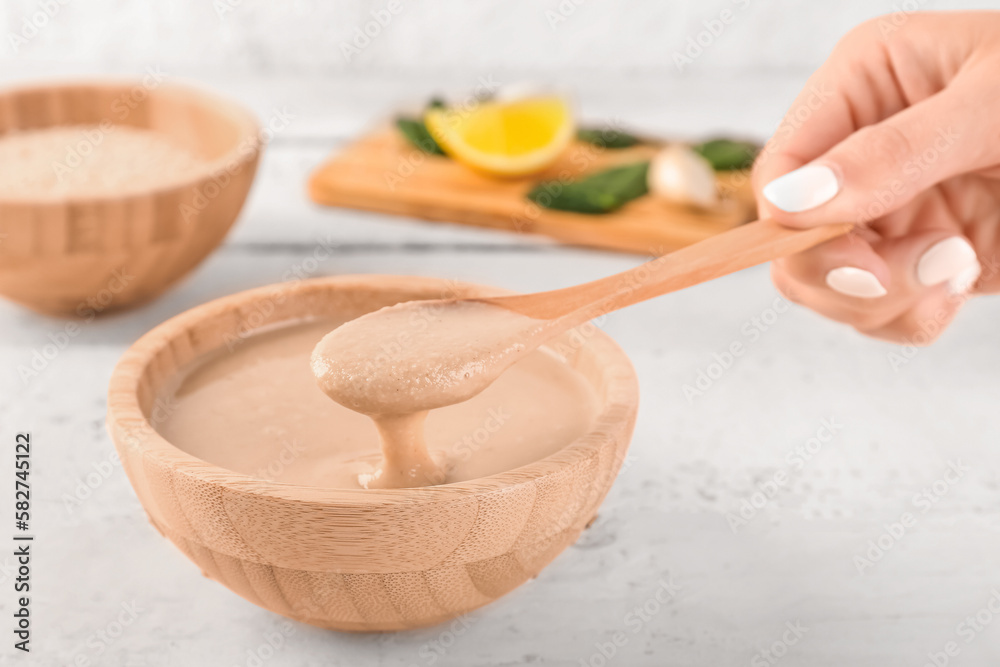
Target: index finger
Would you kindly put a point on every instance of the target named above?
(858, 85)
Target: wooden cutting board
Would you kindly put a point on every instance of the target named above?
(383, 172)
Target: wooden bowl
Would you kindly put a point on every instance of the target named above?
(90, 254)
(360, 560)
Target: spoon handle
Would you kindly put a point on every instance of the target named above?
(740, 248)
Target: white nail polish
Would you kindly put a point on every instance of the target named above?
(857, 282)
(952, 259)
(805, 188)
(964, 281)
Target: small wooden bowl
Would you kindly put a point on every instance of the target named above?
(354, 559)
(87, 255)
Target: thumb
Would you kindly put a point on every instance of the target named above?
(882, 167)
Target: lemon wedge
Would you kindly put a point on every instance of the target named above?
(513, 138)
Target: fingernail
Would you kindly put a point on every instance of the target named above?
(964, 281)
(952, 260)
(805, 188)
(857, 282)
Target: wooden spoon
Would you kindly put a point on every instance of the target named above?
(740, 248)
(422, 355)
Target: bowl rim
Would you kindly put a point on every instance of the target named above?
(246, 122)
(617, 412)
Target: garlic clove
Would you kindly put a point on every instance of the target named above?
(680, 175)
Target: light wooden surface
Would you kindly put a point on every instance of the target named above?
(382, 172)
(354, 559)
(97, 253)
(690, 463)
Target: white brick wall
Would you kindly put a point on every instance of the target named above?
(304, 37)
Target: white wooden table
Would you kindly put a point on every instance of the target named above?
(109, 590)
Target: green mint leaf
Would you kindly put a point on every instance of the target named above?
(416, 132)
(599, 193)
(728, 154)
(607, 138)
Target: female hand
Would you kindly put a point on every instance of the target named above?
(899, 131)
